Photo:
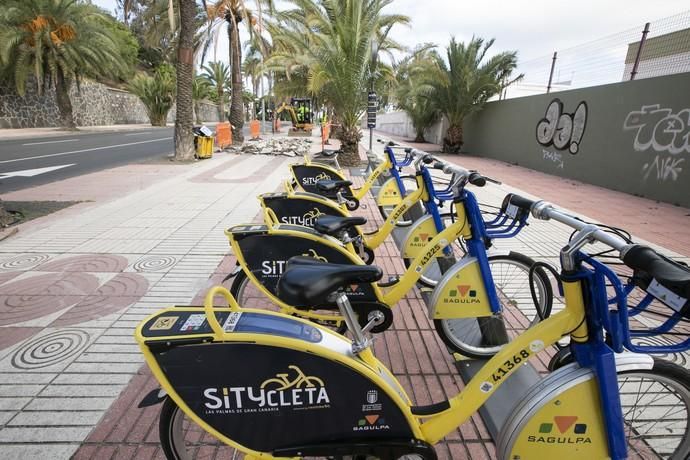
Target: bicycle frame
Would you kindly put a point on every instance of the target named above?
(428, 424)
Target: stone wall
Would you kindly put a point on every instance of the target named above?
(92, 103)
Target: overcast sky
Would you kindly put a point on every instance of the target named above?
(534, 28)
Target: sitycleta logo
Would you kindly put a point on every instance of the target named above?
(307, 220)
(463, 293)
(564, 434)
(292, 389)
(275, 268)
(314, 179)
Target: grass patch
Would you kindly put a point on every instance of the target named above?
(24, 211)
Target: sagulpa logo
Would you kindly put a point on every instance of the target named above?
(372, 422)
(463, 293)
(563, 429)
(464, 290)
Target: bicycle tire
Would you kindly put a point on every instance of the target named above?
(386, 210)
(181, 438)
(464, 335)
(671, 375)
(667, 385)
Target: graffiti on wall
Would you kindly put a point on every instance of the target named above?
(664, 133)
(562, 130)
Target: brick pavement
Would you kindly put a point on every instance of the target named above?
(88, 397)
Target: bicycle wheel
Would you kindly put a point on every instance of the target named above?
(656, 408)
(182, 439)
(410, 183)
(483, 337)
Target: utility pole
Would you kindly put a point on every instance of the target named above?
(261, 76)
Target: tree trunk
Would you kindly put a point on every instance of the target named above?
(420, 137)
(197, 113)
(63, 102)
(453, 141)
(184, 117)
(5, 217)
(221, 107)
(236, 104)
(349, 143)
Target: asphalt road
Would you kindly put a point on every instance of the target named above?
(22, 161)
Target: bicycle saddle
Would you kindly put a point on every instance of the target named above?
(666, 272)
(332, 225)
(307, 282)
(332, 185)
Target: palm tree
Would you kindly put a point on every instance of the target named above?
(232, 13)
(253, 71)
(464, 84)
(332, 43)
(217, 73)
(184, 116)
(57, 42)
(200, 91)
(156, 92)
(412, 92)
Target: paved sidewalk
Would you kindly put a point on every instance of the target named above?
(74, 286)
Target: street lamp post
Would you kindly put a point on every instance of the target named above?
(372, 104)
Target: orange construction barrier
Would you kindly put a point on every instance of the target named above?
(223, 135)
(325, 133)
(255, 129)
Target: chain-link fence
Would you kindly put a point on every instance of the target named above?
(657, 48)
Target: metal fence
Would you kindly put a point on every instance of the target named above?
(653, 49)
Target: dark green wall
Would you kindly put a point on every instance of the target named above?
(645, 153)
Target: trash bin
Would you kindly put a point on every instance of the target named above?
(203, 142)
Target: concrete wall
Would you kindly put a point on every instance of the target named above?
(399, 124)
(94, 104)
(631, 136)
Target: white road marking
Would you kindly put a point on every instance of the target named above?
(51, 142)
(139, 134)
(32, 172)
(86, 150)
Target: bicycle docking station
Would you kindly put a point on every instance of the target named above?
(498, 407)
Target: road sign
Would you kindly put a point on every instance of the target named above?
(372, 108)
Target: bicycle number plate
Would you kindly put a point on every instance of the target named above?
(511, 211)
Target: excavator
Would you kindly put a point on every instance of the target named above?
(301, 114)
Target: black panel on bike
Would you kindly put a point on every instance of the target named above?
(298, 210)
(307, 281)
(308, 175)
(285, 398)
(332, 225)
(266, 257)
